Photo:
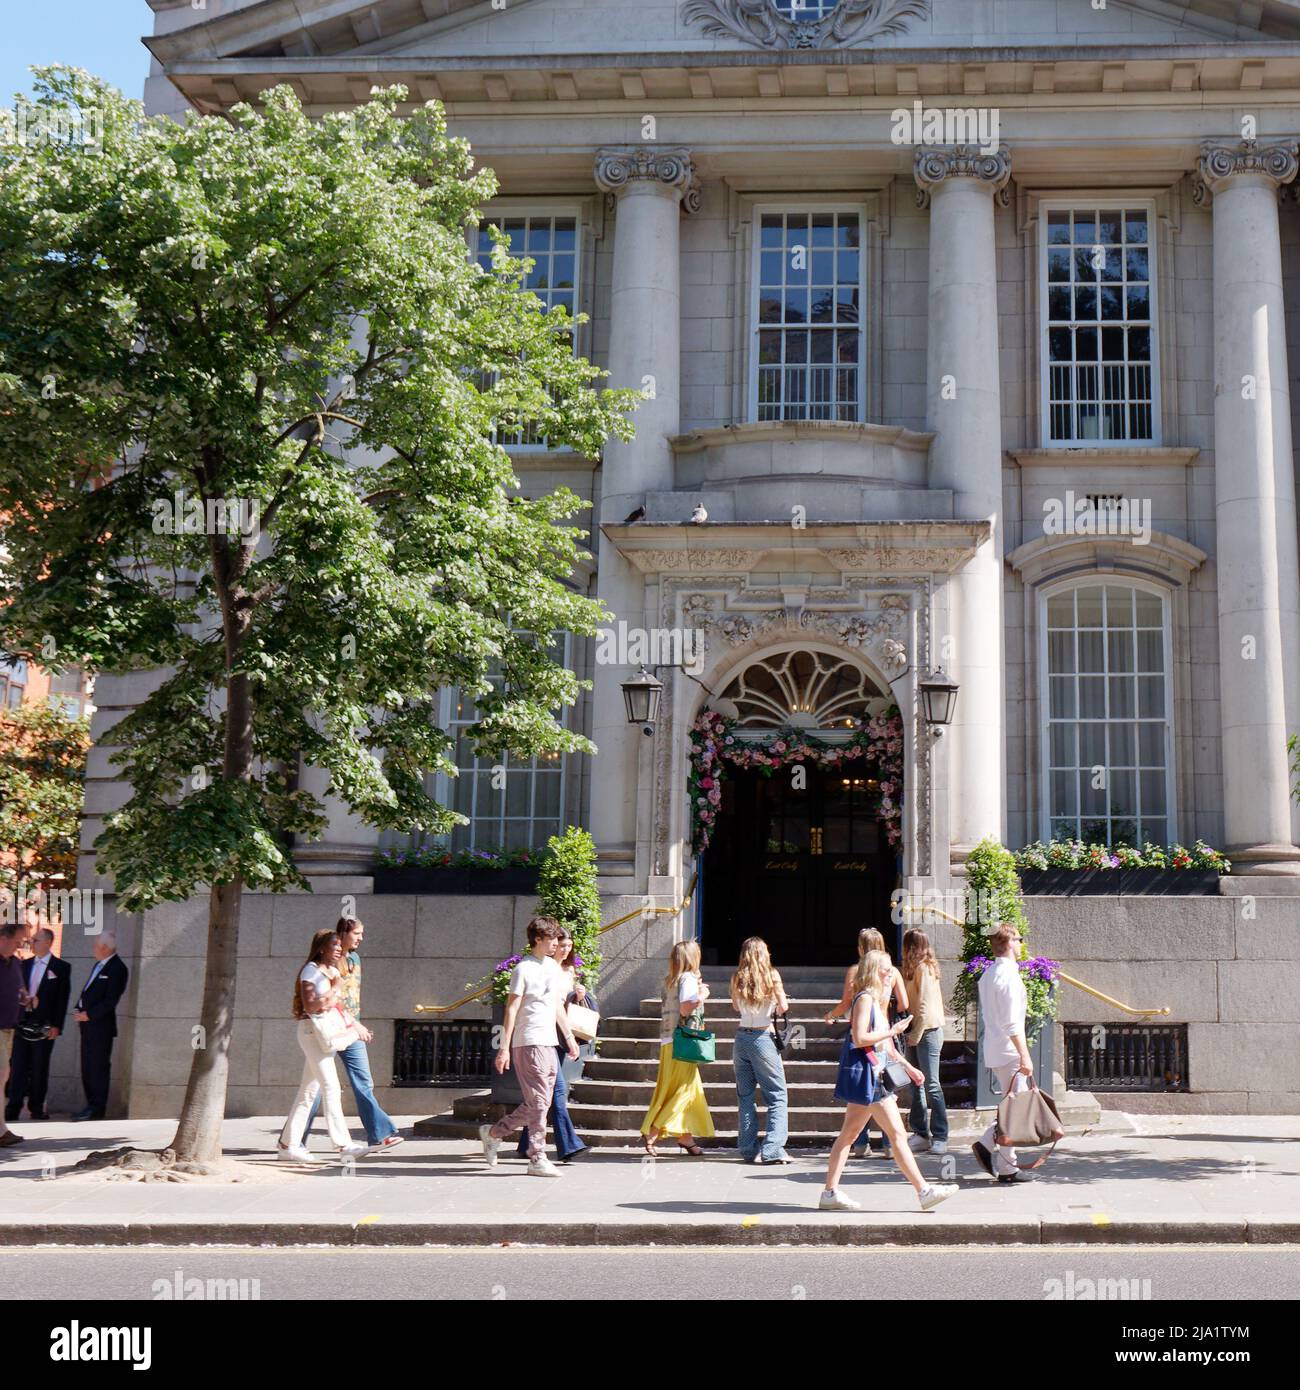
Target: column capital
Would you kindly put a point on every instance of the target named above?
(1221, 160)
(934, 166)
(617, 169)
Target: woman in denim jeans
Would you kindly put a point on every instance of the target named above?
(925, 1043)
(756, 995)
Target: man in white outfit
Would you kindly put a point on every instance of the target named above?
(1005, 1052)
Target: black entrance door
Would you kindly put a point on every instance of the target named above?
(804, 867)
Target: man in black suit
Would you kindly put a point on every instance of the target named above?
(48, 982)
(96, 1012)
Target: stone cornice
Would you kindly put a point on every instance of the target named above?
(866, 547)
(1134, 74)
(1105, 456)
(1221, 161)
(787, 430)
(617, 168)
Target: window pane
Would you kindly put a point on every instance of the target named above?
(1060, 652)
(1121, 697)
(1061, 698)
(1151, 697)
(1090, 612)
(1060, 611)
(1092, 697)
(1151, 651)
(1123, 745)
(1063, 749)
(1065, 800)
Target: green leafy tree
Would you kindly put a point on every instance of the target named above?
(278, 314)
(566, 890)
(42, 784)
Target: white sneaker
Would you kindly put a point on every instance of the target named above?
(290, 1154)
(542, 1168)
(353, 1150)
(934, 1194)
(837, 1201)
(919, 1144)
(491, 1147)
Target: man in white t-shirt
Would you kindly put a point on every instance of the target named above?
(1003, 1004)
(535, 1020)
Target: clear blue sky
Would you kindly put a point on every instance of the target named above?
(102, 36)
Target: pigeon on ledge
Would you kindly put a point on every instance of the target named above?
(699, 514)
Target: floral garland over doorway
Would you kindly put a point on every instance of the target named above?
(716, 744)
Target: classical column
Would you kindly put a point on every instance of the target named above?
(1255, 513)
(964, 410)
(645, 354)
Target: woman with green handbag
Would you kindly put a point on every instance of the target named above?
(678, 1107)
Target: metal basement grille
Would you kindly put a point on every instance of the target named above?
(442, 1052)
(1126, 1057)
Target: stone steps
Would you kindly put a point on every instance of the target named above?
(722, 1092)
(1079, 1113)
(609, 1102)
(623, 1070)
(717, 1008)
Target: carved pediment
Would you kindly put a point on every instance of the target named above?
(804, 23)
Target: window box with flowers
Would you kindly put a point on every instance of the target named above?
(1068, 868)
(432, 869)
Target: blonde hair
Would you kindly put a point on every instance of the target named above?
(755, 982)
(873, 975)
(684, 957)
(869, 939)
(918, 955)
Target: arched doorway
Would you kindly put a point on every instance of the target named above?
(799, 846)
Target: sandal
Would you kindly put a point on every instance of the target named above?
(692, 1148)
(648, 1145)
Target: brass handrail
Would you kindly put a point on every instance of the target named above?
(1069, 979)
(609, 926)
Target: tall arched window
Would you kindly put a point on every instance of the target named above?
(1107, 730)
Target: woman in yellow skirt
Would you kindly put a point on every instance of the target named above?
(678, 1107)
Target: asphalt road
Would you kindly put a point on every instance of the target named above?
(1061, 1273)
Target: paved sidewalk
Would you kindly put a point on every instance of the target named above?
(1168, 1180)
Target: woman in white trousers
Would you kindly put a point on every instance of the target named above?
(317, 992)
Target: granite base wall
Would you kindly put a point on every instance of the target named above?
(418, 950)
(1229, 967)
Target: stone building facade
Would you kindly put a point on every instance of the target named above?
(967, 323)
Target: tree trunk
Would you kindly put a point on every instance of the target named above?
(198, 1135)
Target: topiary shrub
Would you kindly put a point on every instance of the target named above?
(992, 896)
(566, 890)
